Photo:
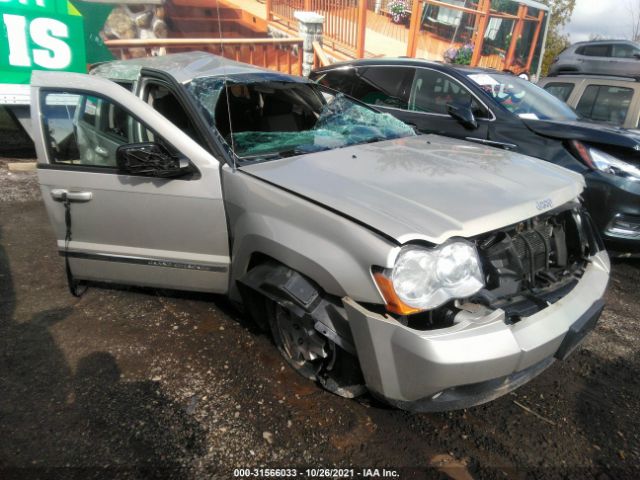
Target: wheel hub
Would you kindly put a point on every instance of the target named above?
(300, 340)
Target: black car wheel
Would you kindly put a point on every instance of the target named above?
(298, 341)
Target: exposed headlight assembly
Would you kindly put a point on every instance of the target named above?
(603, 162)
(426, 278)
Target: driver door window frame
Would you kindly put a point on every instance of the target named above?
(359, 71)
(208, 139)
(492, 116)
(96, 125)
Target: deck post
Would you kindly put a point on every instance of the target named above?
(517, 33)
(310, 29)
(534, 44)
(414, 28)
(362, 28)
(268, 6)
(484, 7)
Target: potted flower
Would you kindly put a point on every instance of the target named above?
(465, 53)
(399, 10)
(459, 56)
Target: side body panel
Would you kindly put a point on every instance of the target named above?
(534, 145)
(599, 65)
(332, 250)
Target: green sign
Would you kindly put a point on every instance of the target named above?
(95, 16)
(40, 35)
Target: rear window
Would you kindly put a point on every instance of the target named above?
(623, 50)
(604, 103)
(560, 90)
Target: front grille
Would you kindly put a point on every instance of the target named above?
(533, 248)
(524, 263)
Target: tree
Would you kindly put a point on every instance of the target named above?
(633, 9)
(561, 11)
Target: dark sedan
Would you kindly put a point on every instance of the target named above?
(504, 111)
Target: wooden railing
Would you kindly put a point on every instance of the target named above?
(320, 58)
(343, 20)
(281, 54)
(340, 21)
(345, 25)
(282, 12)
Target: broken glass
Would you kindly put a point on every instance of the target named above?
(282, 118)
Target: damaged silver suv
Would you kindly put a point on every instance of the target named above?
(435, 273)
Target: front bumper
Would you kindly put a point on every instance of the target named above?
(609, 198)
(473, 362)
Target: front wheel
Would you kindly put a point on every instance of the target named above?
(290, 306)
(311, 354)
(298, 341)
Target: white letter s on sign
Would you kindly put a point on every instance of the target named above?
(44, 32)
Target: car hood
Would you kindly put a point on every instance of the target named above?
(586, 131)
(426, 187)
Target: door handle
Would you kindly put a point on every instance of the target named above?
(60, 195)
(101, 151)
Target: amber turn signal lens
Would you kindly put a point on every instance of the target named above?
(394, 304)
(583, 152)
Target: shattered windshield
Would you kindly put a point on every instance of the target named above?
(523, 98)
(277, 118)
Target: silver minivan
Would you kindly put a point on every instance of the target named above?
(435, 273)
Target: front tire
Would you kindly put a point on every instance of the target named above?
(289, 305)
(298, 341)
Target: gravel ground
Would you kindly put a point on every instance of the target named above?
(17, 186)
(137, 383)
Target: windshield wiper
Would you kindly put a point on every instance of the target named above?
(263, 157)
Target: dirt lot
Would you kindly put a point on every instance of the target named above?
(132, 383)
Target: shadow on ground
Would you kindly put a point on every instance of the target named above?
(615, 438)
(51, 416)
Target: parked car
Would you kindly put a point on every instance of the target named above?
(504, 111)
(439, 273)
(613, 100)
(606, 57)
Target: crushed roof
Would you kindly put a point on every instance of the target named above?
(184, 67)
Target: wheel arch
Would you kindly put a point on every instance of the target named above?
(266, 250)
(269, 282)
